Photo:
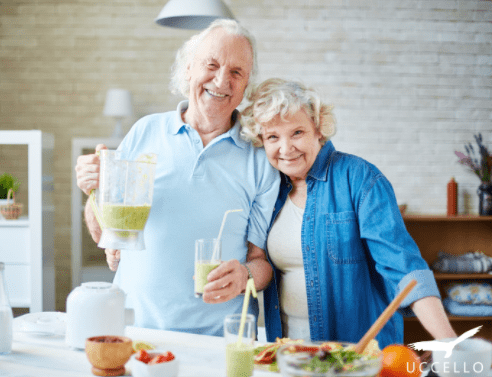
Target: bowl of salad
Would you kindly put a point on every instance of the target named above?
(326, 359)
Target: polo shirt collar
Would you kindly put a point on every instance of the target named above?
(233, 133)
(178, 123)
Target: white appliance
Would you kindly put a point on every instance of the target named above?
(93, 309)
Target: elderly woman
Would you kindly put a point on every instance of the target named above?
(337, 241)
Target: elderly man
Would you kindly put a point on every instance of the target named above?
(204, 169)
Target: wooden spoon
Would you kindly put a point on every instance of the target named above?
(384, 317)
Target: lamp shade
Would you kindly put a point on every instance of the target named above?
(118, 103)
(192, 14)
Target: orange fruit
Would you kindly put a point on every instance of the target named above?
(400, 361)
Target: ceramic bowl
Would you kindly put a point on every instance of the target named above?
(165, 369)
(293, 360)
(108, 354)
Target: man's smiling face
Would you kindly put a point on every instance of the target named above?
(219, 73)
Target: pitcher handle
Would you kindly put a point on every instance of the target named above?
(92, 201)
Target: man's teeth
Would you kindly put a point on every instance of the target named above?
(216, 94)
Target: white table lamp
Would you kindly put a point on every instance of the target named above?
(118, 105)
(192, 14)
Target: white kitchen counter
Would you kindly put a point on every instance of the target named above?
(38, 356)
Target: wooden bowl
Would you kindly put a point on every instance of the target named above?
(108, 354)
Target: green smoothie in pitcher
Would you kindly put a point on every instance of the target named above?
(117, 216)
(239, 360)
(202, 269)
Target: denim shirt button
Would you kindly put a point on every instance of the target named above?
(312, 283)
(307, 248)
(315, 319)
(276, 306)
(308, 218)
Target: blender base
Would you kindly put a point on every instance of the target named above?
(122, 239)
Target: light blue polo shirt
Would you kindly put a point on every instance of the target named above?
(194, 186)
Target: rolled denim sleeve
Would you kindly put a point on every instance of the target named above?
(426, 286)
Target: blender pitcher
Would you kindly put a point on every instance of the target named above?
(124, 198)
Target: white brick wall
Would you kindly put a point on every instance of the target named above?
(411, 80)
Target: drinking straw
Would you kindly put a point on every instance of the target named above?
(250, 288)
(384, 317)
(221, 229)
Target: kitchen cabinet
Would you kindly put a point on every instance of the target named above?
(27, 243)
(88, 261)
(454, 235)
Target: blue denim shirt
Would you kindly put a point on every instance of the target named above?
(356, 250)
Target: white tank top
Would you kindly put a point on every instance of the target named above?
(285, 250)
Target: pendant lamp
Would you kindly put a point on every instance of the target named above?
(192, 14)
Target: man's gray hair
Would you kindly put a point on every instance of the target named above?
(184, 57)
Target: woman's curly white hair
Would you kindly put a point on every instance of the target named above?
(277, 98)
(184, 57)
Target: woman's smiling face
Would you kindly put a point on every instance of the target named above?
(292, 144)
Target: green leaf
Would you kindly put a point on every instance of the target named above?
(8, 181)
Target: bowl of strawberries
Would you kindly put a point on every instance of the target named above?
(154, 363)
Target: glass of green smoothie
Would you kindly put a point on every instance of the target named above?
(207, 257)
(239, 351)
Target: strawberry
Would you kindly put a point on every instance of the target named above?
(162, 358)
(143, 356)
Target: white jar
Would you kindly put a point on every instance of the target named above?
(93, 309)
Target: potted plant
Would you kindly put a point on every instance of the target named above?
(479, 160)
(8, 208)
(7, 182)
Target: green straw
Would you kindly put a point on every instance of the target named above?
(250, 288)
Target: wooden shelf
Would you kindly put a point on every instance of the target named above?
(411, 217)
(454, 318)
(441, 276)
(454, 235)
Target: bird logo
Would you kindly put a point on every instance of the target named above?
(437, 345)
